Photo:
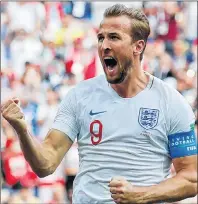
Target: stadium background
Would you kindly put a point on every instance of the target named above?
(48, 47)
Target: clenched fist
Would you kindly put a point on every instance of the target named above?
(11, 111)
(123, 191)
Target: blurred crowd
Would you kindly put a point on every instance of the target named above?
(49, 47)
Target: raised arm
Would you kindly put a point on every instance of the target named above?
(43, 157)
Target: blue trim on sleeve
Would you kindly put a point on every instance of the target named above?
(182, 144)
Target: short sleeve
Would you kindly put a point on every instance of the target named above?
(66, 120)
(182, 118)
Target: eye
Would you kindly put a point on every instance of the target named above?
(100, 39)
(114, 37)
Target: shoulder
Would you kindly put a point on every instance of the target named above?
(174, 101)
(93, 81)
(86, 88)
(166, 91)
(90, 86)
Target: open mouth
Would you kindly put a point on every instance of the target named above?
(110, 62)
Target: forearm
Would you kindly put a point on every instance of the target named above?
(43, 158)
(38, 156)
(173, 189)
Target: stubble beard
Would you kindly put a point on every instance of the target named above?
(122, 75)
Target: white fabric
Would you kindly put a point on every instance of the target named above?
(127, 149)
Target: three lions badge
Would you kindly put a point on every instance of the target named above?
(148, 118)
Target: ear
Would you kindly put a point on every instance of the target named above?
(139, 47)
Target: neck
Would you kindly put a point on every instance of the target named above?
(134, 83)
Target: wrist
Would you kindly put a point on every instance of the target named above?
(140, 194)
(20, 127)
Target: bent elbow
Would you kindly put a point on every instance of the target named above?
(194, 191)
(43, 173)
(190, 183)
(194, 185)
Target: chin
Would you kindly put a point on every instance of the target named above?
(118, 79)
(111, 79)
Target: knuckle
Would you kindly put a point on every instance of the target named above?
(14, 105)
(5, 112)
(121, 190)
(16, 108)
(9, 101)
(6, 116)
(114, 190)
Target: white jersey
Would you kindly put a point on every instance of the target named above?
(121, 136)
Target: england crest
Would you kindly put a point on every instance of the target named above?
(148, 118)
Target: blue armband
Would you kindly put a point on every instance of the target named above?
(182, 144)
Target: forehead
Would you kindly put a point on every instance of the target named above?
(115, 24)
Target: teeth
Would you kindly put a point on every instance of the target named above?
(108, 58)
(110, 68)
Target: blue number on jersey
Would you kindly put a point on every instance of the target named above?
(182, 144)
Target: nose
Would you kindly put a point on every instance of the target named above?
(106, 46)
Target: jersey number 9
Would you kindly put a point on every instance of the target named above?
(96, 132)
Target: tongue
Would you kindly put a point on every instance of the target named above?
(111, 70)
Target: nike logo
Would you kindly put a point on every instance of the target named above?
(96, 113)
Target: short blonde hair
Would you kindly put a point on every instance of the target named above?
(140, 28)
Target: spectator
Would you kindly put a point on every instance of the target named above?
(16, 169)
(46, 186)
(46, 112)
(58, 194)
(54, 15)
(21, 52)
(24, 196)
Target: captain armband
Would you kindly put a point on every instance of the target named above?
(182, 144)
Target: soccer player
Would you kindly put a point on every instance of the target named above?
(130, 126)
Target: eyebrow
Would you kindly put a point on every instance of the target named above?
(99, 34)
(113, 33)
